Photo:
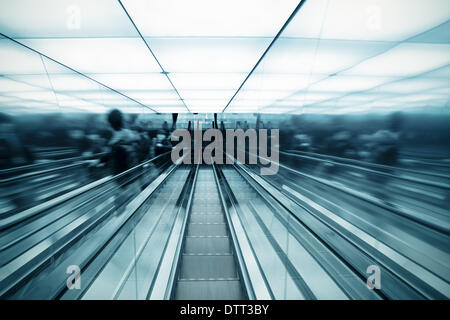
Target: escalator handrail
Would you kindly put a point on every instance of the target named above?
(164, 285)
(33, 174)
(237, 241)
(390, 253)
(38, 166)
(14, 219)
(408, 179)
(437, 225)
(363, 163)
(130, 209)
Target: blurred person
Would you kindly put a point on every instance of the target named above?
(143, 144)
(340, 144)
(143, 148)
(14, 152)
(382, 149)
(122, 152)
(302, 142)
(121, 155)
(162, 143)
(165, 128)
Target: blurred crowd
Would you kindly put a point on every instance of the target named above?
(120, 140)
(124, 140)
(338, 137)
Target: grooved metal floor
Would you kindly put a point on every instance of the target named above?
(207, 265)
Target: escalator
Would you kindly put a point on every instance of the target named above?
(207, 232)
(128, 272)
(207, 267)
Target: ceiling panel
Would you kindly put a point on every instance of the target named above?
(14, 59)
(208, 94)
(8, 85)
(348, 84)
(170, 109)
(335, 55)
(207, 81)
(406, 59)
(134, 81)
(93, 55)
(381, 20)
(43, 95)
(208, 54)
(326, 56)
(232, 18)
(414, 85)
(64, 19)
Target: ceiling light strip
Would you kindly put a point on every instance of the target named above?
(164, 72)
(392, 46)
(300, 4)
(77, 72)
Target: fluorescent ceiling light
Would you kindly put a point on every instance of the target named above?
(324, 57)
(64, 18)
(159, 102)
(208, 54)
(419, 97)
(98, 55)
(348, 83)
(406, 59)
(38, 81)
(312, 95)
(36, 95)
(257, 95)
(207, 94)
(279, 82)
(276, 110)
(382, 20)
(15, 59)
(233, 18)
(413, 85)
(151, 94)
(308, 21)
(73, 82)
(8, 85)
(136, 81)
(170, 109)
(207, 81)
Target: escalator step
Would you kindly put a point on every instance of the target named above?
(207, 245)
(208, 267)
(207, 229)
(206, 209)
(209, 290)
(207, 218)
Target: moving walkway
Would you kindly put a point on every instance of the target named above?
(215, 232)
(207, 268)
